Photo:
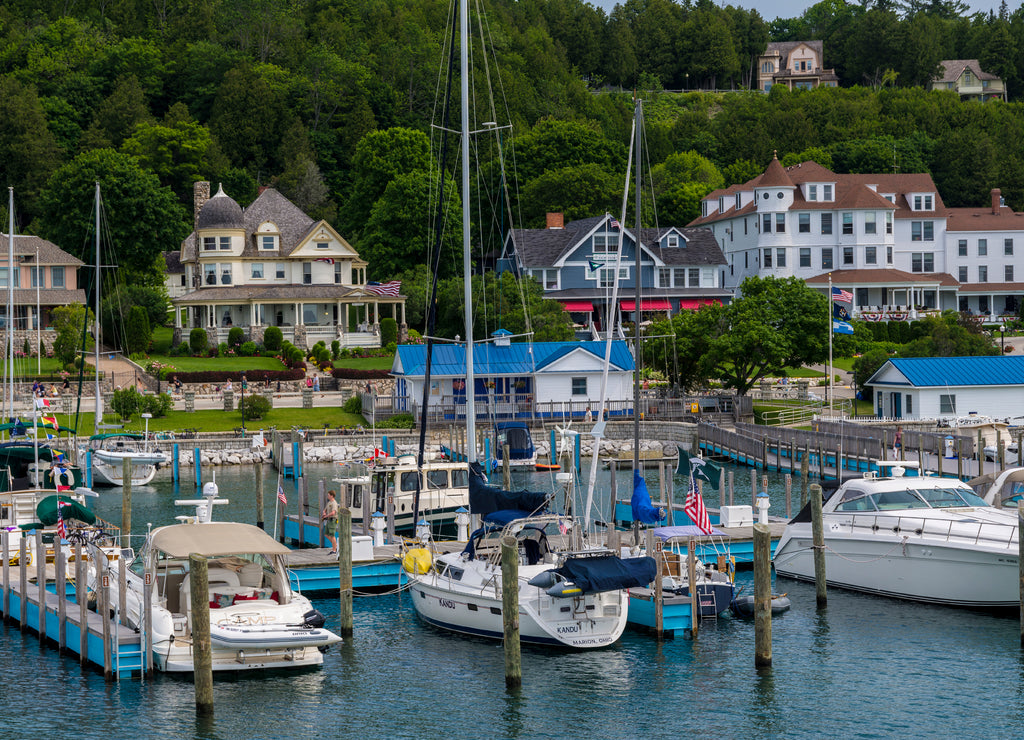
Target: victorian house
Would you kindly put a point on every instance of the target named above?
(969, 80)
(270, 264)
(797, 65)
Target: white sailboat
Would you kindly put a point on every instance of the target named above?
(570, 593)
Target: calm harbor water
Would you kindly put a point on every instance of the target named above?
(866, 667)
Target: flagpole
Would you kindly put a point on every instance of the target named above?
(831, 308)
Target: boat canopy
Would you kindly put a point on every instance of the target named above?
(118, 435)
(684, 531)
(215, 539)
(516, 434)
(608, 573)
(46, 511)
(485, 499)
(19, 426)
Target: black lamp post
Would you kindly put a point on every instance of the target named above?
(242, 406)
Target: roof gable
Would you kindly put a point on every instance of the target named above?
(943, 372)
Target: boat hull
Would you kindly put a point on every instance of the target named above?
(113, 475)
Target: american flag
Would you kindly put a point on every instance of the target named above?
(694, 508)
(844, 296)
(62, 530)
(328, 260)
(280, 495)
(389, 288)
(615, 224)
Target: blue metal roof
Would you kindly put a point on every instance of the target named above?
(923, 372)
(491, 360)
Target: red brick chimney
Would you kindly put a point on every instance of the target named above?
(996, 198)
(555, 221)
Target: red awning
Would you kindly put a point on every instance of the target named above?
(648, 304)
(578, 306)
(693, 304)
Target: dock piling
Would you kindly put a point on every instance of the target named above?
(510, 611)
(175, 472)
(762, 596)
(5, 541)
(345, 571)
(654, 550)
(83, 605)
(691, 574)
(197, 464)
(819, 546)
(146, 641)
(202, 654)
(126, 500)
(23, 582)
(103, 609)
(258, 465)
(506, 471)
(789, 495)
(60, 564)
(1020, 563)
(40, 558)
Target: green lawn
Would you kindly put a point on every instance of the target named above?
(803, 372)
(220, 421)
(220, 364)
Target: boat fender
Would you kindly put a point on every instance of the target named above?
(313, 619)
(547, 579)
(564, 590)
(417, 561)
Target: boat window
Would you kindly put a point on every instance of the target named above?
(855, 500)
(460, 479)
(893, 500)
(437, 478)
(942, 498)
(409, 481)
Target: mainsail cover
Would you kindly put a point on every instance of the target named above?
(483, 499)
(608, 573)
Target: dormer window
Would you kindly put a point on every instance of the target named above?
(812, 192)
(322, 245)
(209, 243)
(225, 243)
(268, 242)
(826, 193)
(672, 241)
(739, 201)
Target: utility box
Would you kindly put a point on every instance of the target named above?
(362, 547)
(737, 516)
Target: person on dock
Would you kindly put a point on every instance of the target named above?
(588, 417)
(330, 519)
(897, 443)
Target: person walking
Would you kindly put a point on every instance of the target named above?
(329, 516)
(897, 443)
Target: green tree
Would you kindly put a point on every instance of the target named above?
(137, 331)
(70, 322)
(679, 347)
(576, 192)
(867, 365)
(551, 145)
(949, 335)
(28, 150)
(198, 342)
(381, 157)
(116, 117)
(143, 219)
(250, 115)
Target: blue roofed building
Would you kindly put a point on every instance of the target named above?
(515, 380)
(949, 387)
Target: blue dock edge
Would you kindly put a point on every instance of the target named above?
(373, 575)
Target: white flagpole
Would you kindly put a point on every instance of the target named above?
(277, 510)
(831, 308)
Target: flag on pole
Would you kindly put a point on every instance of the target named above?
(699, 469)
(838, 312)
(838, 294)
(42, 403)
(62, 530)
(390, 288)
(328, 260)
(841, 327)
(595, 265)
(615, 224)
(280, 494)
(694, 508)
(49, 422)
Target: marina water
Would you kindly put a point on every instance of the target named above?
(865, 667)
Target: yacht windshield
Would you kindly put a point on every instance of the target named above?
(944, 498)
(893, 500)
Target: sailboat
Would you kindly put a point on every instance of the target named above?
(107, 451)
(570, 593)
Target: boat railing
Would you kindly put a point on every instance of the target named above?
(976, 532)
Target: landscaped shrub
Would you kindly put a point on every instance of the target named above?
(254, 407)
(137, 333)
(247, 349)
(388, 331)
(323, 355)
(236, 335)
(158, 405)
(219, 376)
(197, 341)
(335, 349)
(272, 338)
(350, 373)
(391, 348)
(223, 350)
(353, 405)
(126, 402)
(401, 421)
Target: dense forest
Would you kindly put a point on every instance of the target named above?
(331, 101)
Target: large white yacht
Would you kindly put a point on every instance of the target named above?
(897, 533)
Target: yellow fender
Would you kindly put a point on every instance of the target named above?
(417, 561)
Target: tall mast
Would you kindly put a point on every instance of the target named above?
(96, 330)
(10, 304)
(466, 262)
(636, 282)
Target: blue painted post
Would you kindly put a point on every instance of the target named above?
(175, 477)
(88, 468)
(577, 444)
(295, 460)
(384, 445)
(487, 453)
(196, 465)
(392, 450)
(554, 449)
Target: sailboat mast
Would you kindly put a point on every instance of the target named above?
(637, 281)
(10, 304)
(466, 262)
(96, 332)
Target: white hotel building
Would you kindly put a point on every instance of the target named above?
(887, 238)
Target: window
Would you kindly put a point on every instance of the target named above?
(925, 231)
(225, 243)
(812, 192)
(307, 273)
(767, 258)
(928, 202)
(961, 248)
(279, 271)
(209, 243)
(869, 222)
(888, 222)
(35, 277)
(917, 202)
(766, 223)
(56, 277)
(922, 262)
(337, 273)
(579, 386)
(1008, 273)
(606, 277)
(982, 247)
(947, 403)
(848, 222)
(664, 277)
(209, 274)
(804, 223)
(322, 245)
(982, 273)
(225, 274)
(679, 275)
(672, 240)
(780, 223)
(548, 279)
(780, 257)
(256, 271)
(962, 274)
(870, 255)
(847, 255)
(1008, 247)
(694, 277)
(826, 192)
(768, 67)
(826, 258)
(805, 256)
(606, 243)
(888, 255)
(267, 242)
(826, 223)
(909, 404)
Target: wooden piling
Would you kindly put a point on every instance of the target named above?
(654, 551)
(81, 599)
(691, 574)
(506, 470)
(671, 497)
(5, 553)
(40, 558)
(122, 590)
(321, 505)
(613, 468)
(753, 487)
(202, 653)
(258, 469)
(60, 575)
(763, 596)
(1000, 451)
(390, 513)
(147, 625)
(819, 546)
(197, 467)
(789, 495)
(981, 453)
(732, 487)
(960, 459)
(300, 485)
(510, 611)
(792, 458)
(821, 465)
(23, 582)
(126, 500)
(345, 571)
(103, 608)
(367, 511)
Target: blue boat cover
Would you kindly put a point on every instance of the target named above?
(485, 499)
(643, 510)
(608, 573)
(517, 435)
(684, 530)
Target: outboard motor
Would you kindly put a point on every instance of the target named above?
(313, 619)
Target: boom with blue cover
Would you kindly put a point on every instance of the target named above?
(608, 573)
(483, 499)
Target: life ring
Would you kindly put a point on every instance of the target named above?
(63, 478)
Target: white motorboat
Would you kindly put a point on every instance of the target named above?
(108, 452)
(916, 537)
(256, 619)
(1001, 489)
(443, 490)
